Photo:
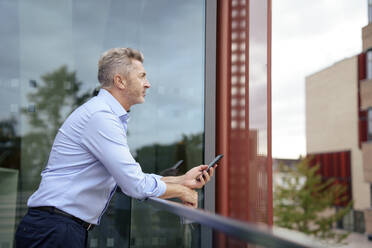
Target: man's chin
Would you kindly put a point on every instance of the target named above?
(142, 100)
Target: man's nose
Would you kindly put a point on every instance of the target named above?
(147, 84)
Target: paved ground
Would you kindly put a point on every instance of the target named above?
(357, 240)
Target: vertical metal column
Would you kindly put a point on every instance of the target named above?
(223, 112)
(210, 111)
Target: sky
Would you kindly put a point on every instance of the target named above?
(307, 36)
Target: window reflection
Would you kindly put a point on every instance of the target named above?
(48, 68)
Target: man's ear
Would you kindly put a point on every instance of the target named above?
(120, 81)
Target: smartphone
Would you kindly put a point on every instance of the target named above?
(215, 161)
(172, 171)
(175, 167)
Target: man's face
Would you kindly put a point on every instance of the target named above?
(137, 83)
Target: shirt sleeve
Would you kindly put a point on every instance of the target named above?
(105, 138)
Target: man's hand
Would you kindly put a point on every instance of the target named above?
(189, 197)
(197, 177)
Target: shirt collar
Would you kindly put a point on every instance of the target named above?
(114, 104)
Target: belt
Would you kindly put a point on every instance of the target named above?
(86, 225)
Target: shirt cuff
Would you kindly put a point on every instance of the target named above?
(162, 187)
(157, 176)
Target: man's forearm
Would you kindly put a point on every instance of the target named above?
(177, 179)
(174, 190)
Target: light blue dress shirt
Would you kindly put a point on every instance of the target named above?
(89, 157)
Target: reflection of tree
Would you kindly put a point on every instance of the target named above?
(9, 144)
(155, 158)
(54, 98)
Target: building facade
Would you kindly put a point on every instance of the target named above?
(209, 64)
(332, 128)
(365, 109)
(339, 126)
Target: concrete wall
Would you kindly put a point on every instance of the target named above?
(332, 120)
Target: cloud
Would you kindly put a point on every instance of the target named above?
(307, 37)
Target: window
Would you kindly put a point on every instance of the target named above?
(369, 64)
(369, 124)
(369, 11)
(60, 60)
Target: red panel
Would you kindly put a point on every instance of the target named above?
(343, 168)
(326, 166)
(362, 67)
(363, 132)
(336, 169)
(223, 96)
(335, 165)
(223, 110)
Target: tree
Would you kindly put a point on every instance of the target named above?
(305, 202)
(56, 96)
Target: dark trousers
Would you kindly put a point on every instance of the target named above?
(43, 229)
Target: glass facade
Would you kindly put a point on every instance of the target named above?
(49, 56)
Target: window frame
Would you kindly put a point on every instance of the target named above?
(210, 48)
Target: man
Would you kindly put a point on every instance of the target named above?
(90, 158)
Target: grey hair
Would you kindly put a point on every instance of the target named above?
(116, 60)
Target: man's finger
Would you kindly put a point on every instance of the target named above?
(206, 175)
(201, 179)
(211, 171)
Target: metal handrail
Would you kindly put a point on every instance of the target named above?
(247, 232)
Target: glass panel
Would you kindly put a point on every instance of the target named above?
(174, 110)
(248, 146)
(9, 121)
(48, 68)
(233, 236)
(151, 227)
(258, 75)
(258, 177)
(369, 65)
(369, 123)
